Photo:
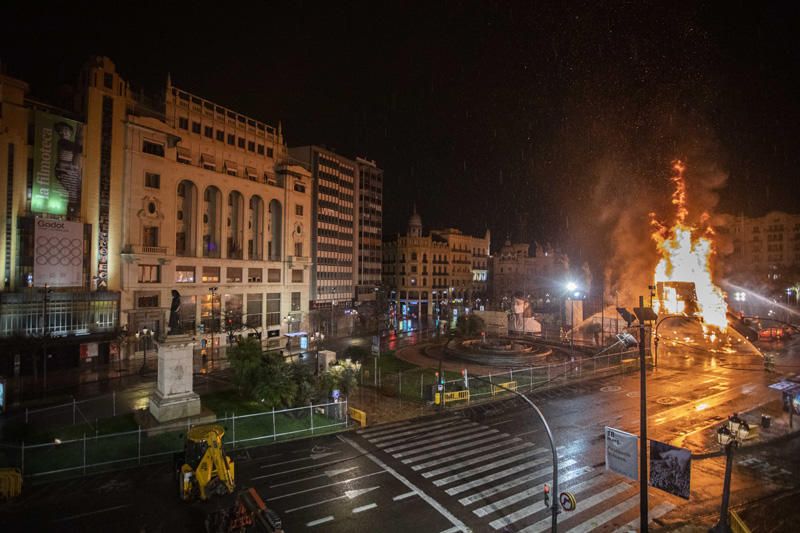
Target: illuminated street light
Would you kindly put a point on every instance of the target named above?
(729, 437)
(146, 335)
(571, 286)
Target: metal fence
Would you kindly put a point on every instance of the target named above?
(75, 412)
(97, 453)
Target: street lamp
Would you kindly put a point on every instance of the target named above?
(213, 291)
(317, 337)
(572, 288)
(729, 437)
(145, 335)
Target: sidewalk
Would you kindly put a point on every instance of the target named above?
(381, 409)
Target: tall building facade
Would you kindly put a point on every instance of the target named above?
(538, 278)
(370, 230)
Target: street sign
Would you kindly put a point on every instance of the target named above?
(376, 345)
(621, 453)
(335, 393)
(568, 501)
(670, 468)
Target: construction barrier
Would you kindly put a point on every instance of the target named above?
(10, 483)
(737, 524)
(456, 396)
(358, 415)
(502, 387)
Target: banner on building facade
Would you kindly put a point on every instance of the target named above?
(58, 253)
(670, 468)
(621, 453)
(57, 165)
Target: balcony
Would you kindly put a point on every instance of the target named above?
(155, 250)
(298, 260)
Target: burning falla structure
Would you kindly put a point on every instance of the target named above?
(683, 281)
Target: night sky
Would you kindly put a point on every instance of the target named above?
(553, 123)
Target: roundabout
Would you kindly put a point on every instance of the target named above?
(502, 352)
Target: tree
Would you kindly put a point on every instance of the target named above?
(246, 364)
(356, 353)
(342, 375)
(263, 376)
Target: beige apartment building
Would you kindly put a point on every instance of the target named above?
(538, 278)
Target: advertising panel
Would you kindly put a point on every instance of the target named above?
(57, 165)
(58, 253)
(621, 453)
(670, 468)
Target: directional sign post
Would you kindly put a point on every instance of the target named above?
(621, 454)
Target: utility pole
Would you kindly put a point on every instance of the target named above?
(45, 335)
(642, 427)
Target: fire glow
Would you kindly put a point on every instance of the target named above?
(683, 274)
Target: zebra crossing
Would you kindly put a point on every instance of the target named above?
(494, 479)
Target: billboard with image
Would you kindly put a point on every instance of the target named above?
(57, 165)
(58, 253)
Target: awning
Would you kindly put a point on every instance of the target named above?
(208, 160)
(184, 154)
(786, 387)
(251, 173)
(296, 334)
(230, 165)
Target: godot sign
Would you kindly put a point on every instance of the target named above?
(621, 453)
(58, 253)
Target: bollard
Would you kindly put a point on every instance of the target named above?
(233, 422)
(311, 409)
(139, 446)
(84, 454)
(113, 403)
(274, 436)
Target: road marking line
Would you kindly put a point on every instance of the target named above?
(415, 428)
(404, 496)
(325, 486)
(415, 443)
(478, 460)
(383, 427)
(320, 521)
(545, 523)
(329, 473)
(433, 503)
(501, 422)
(452, 530)
(468, 473)
(320, 455)
(600, 519)
(468, 500)
(461, 455)
(303, 468)
(349, 494)
(365, 508)
(90, 513)
(458, 489)
(656, 512)
(426, 432)
(491, 438)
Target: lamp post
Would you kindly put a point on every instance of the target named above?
(729, 436)
(288, 319)
(318, 337)
(213, 291)
(45, 332)
(572, 288)
(333, 304)
(145, 335)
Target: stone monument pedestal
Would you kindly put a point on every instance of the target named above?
(174, 397)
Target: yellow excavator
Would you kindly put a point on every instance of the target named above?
(203, 468)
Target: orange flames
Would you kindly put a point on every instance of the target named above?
(683, 275)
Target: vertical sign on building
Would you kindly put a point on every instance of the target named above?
(58, 253)
(621, 453)
(105, 192)
(57, 165)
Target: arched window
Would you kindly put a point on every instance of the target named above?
(212, 227)
(275, 230)
(255, 228)
(185, 219)
(235, 225)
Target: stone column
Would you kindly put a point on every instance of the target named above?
(174, 397)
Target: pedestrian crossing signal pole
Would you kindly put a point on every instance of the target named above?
(642, 426)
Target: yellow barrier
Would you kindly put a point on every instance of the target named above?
(456, 396)
(737, 524)
(10, 483)
(358, 416)
(501, 387)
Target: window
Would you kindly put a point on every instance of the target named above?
(147, 301)
(299, 187)
(295, 301)
(260, 149)
(210, 274)
(298, 249)
(297, 276)
(254, 309)
(298, 210)
(233, 275)
(269, 152)
(153, 148)
(150, 236)
(209, 132)
(183, 123)
(231, 139)
(273, 309)
(220, 136)
(273, 275)
(241, 143)
(152, 180)
(254, 275)
(184, 274)
(196, 127)
(251, 146)
(149, 274)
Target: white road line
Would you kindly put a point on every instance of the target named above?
(526, 511)
(478, 460)
(383, 427)
(298, 460)
(536, 474)
(600, 519)
(467, 444)
(365, 508)
(349, 494)
(458, 489)
(501, 422)
(544, 524)
(329, 473)
(303, 468)
(451, 530)
(485, 468)
(90, 513)
(416, 428)
(325, 486)
(472, 432)
(474, 451)
(656, 512)
(433, 503)
(320, 521)
(425, 432)
(404, 496)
